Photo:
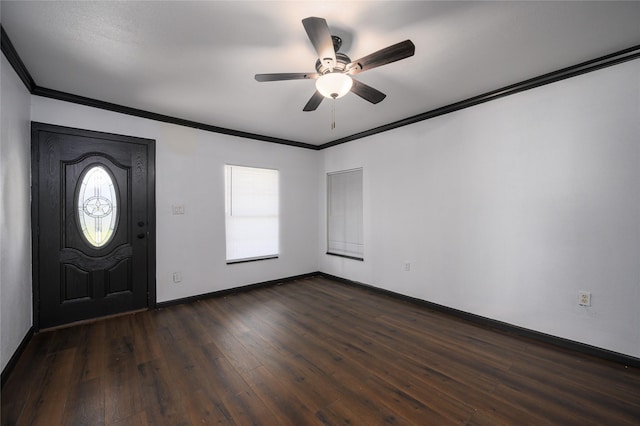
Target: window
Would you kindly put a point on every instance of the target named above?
(344, 214)
(251, 213)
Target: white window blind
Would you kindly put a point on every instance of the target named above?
(251, 213)
(344, 214)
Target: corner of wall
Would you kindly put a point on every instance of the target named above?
(15, 215)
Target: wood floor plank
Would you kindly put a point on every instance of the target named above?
(147, 336)
(357, 412)
(221, 376)
(280, 398)
(204, 409)
(25, 378)
(121, 386)
(246, 408)
(85, 403)
(67, 338)
(46, 404)
(121, 390)
(138, 419)
(578, 390)
(499, 378)
(90, 355)
(119, 340)
(163, 402)
(412, 409)
(311, 351)
(400, 385)
(293, 368)
(226, 335)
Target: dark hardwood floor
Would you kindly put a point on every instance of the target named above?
(311, 351)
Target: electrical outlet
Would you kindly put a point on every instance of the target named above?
(178, 208)
(584, 298)
(177, 277)
(407, 266)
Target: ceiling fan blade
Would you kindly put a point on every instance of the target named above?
(314, 102)
(287, 76)
(318, 32)
(367, 93)
(389, 54)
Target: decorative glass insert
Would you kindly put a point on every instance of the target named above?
(97, 206)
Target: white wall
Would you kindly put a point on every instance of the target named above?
(15, 213)
(509, 208)
(190, 171)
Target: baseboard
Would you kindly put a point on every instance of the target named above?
(234, 290)
(6, 371)
(16, 355)
(582, 348)
(477, 319)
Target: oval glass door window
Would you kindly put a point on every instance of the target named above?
(97, 206)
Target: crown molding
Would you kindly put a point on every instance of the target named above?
(572, 71)
(562, 74)
(68, 97)
(15, 61)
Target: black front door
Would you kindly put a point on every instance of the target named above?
(93, 224)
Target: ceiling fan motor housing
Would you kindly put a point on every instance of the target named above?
(342, 61)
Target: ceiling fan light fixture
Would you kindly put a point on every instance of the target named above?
(334, 85)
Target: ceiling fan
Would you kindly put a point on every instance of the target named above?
(334, 69)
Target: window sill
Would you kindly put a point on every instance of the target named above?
(253, 259)
(361, 259)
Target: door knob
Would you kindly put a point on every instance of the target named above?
(141, 235)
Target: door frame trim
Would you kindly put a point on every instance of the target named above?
(36, 128)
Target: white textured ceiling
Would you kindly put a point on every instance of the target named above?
(197, 60)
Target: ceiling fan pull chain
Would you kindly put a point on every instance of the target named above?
(333, 114)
